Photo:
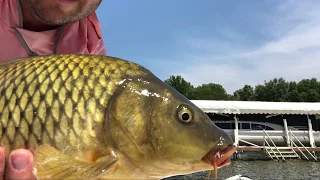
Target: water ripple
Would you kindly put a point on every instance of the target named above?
(264, 170)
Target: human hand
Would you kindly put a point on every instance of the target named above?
(19, 166)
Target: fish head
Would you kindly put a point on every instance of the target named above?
(162, 132)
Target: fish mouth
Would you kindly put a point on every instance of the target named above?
(219, 158)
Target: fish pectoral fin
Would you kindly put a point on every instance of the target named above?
(53, 164)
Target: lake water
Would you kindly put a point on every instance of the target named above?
(264, 170)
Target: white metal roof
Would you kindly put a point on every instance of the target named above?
(257, 107)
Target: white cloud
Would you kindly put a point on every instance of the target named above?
(292, 52)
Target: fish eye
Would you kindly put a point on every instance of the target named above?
(184, 114)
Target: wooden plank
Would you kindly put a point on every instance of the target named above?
(247, 148)
(317, 149)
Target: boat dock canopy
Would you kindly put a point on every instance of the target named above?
(257, 107)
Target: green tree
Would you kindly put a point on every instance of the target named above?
(260, 93)
(277, 89)
(274, 90)
(209, 91)
(232, 97)
(309, 90)
(180, 84)
(244, 94)
(292, 93)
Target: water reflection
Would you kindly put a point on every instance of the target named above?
(265, 170)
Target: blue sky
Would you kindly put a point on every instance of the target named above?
(232, 43)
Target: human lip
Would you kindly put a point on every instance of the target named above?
(67, 1)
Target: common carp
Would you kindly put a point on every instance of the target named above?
(101, 117)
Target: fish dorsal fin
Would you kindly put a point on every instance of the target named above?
(53, 164)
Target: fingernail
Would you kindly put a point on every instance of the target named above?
(19, 161)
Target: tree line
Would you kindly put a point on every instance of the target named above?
(276, 90)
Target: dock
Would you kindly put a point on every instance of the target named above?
(259, 149)
(277, 130)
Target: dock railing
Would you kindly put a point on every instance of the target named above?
(274, 145)
(252, 144)
(292, 142)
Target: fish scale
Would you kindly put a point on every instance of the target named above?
(57, 99)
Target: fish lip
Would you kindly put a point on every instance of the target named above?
(221, 158)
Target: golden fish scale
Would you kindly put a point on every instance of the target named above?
(57, 99)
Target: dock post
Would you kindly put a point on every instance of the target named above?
(311, 137)
(236, 132)
(286, 131)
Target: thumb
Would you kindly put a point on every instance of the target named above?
(20, 165)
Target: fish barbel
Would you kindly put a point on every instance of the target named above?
(101, 117)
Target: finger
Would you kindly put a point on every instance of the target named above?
(2, 163)
(20, 165)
